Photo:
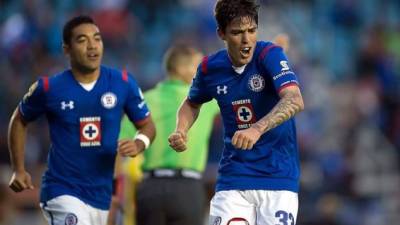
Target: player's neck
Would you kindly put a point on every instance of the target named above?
(85, 77)
(179, 78)
(233, 62)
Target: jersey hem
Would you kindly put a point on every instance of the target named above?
(47, 195)
(274, 184)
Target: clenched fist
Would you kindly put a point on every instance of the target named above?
(20, 181)
(129, 147)
(177, 141)
(245, 139)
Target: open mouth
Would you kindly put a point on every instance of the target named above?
(245, 52)
(92, 56)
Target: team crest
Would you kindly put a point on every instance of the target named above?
(216, 220)
(71, 219)
(109, 100)
(90, 131)
(256, 83)
(32, 88)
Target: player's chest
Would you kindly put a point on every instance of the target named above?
(242, 96)
(74, 104)
(249, 87)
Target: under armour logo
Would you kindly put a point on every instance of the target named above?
(69, 105)
(223, 89)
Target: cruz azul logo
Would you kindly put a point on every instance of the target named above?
(217, 220)
(109, 100)
(256, 83)
(71, 219)
(90, 131)
(245, 116)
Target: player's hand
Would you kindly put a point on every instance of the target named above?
(129, 147)
(20, 181)
(245, 139)
(177, 141)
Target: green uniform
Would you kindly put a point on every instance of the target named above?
(164, 100)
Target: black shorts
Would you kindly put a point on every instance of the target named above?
(170, 201)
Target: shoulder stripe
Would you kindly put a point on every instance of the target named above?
(46, 85)
(288, 85)
(204, 65)
(125, 75)
(266, 50)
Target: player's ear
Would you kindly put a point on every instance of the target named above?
(221, 34)
(65, 48)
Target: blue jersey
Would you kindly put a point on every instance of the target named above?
(245, 98)
(84, 127)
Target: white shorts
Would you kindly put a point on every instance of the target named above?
(69, 210)
(254, 207)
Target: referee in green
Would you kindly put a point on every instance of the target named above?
(172, 192)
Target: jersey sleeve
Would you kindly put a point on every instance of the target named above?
(135, 107)
(33, 103)
(197, 92)
(277, 66)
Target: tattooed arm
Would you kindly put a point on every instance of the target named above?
(291, 102)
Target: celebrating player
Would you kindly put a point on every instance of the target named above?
(258, 95)
(83, 106)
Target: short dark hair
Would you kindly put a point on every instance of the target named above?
(72, 23)
(227, 10)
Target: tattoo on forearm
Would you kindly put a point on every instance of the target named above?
(286, 108)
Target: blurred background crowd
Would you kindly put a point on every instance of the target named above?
(346, 54)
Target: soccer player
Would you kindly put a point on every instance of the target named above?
(83, 106)
(258, 95)
(172, 192)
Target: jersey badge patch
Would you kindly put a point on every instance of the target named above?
(109, 100)
(216, 220)
(90, 131)
(71, 219)
(256, 83)
(244, 111)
